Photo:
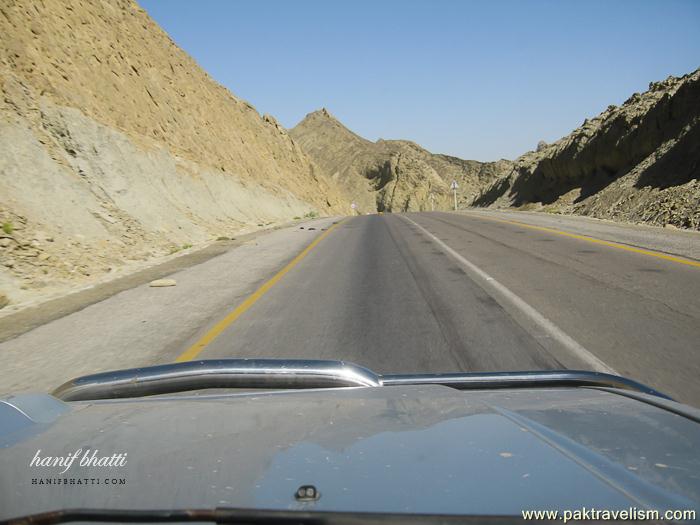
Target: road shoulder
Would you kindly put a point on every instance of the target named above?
(38, 313)
(143, 325)
(682, 243)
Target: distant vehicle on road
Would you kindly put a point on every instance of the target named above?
(307, 441)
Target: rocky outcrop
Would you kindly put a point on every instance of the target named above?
(638, 162)
(390, 175)
(115, 148)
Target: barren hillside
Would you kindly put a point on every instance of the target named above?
(639, 162)
(115, 147)
(390, 175)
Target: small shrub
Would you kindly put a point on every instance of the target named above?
(222, 238)
(185, 246)
(297, 218)
(311, 215)
(7, 228)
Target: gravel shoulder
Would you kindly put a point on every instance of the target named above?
(113, 327)
(14, 322)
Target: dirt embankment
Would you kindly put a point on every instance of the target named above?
(390, 175)
(116, 148)
(639, 162)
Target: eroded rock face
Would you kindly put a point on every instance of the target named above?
(117, 146)
(390, 175)
(638, 162)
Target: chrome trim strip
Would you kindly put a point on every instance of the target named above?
(219, 373)
(302, 373)
(534, 379)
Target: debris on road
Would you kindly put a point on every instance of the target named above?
(161, 283)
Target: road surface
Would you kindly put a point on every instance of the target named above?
(426, 292)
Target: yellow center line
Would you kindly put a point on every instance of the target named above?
(658, 255)
(193, 351)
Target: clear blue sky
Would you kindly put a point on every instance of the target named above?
(479, 80)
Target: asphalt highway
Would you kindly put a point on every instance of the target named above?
(442, 292)
(403, 293)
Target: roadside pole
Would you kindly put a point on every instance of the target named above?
(454, 187)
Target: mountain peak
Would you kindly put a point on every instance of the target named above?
(321, 113)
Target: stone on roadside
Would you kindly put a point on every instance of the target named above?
(161, 283)
(4, 301)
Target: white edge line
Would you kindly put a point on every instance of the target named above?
(545, 324)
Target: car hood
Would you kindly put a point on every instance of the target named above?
(417, 449)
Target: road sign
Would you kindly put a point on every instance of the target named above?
(353, 206)
(454, 185)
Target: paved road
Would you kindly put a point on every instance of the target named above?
(421, 292)
(381, 292)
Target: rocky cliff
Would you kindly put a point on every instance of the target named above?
(638, 162)
(115, 147)
(390, 175)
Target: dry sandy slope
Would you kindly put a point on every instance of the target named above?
(116, 147)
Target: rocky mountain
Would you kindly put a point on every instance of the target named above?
(390, 175)
(639, 162)
(116, 147)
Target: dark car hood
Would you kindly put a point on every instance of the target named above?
(427, 449)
